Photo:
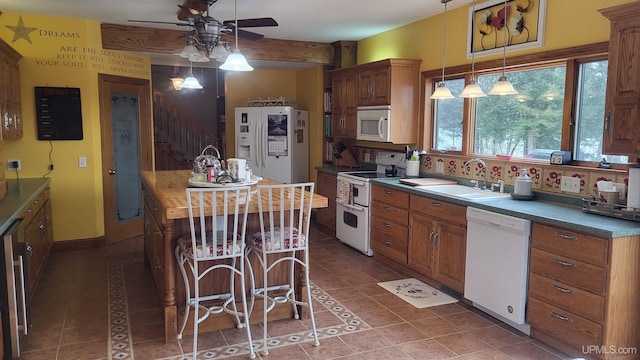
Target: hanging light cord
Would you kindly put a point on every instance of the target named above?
(504, 51)
(235, 13)
(473, 53)
(444, 37)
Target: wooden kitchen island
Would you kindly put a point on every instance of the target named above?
(166, 218)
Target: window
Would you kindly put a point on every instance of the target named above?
(447, 134)
(540, 119)
(589, 113)
(528, 124)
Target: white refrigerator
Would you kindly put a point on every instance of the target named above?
(275, 142)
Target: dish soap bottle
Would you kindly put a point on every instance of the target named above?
(522, 185)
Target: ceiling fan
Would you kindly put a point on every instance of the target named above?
(206, 30)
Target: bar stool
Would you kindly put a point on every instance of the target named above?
(216, 243)
(283, 240)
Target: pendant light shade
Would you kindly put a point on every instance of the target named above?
(191, 82)
(442, 92)
(236, 61)
(189, 50)
(176, 79)
(503, 86)
(218, 52)
(472, 90)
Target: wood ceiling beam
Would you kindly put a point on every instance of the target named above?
(165, 41)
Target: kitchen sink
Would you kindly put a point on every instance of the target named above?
(462, 192)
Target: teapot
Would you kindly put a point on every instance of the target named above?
(205, 161)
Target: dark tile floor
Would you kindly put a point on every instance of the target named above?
(79, 312)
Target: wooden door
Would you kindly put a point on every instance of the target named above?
(126, 132)
(452, 248)
(420, 249)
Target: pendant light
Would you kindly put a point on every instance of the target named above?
(472, 90)
(176, 79)
(191, 82)
(442, 92)
(236, 61)
(503, 86)
(189, 50)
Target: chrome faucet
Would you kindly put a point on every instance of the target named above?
(484, 168)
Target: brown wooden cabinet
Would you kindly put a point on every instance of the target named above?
(344, 107)
(583, 291)
(39, 236)
(437, 240)
(389, 82)
(327, 186)
(622, 107)
(10, 98)
(389, 223)
(374, 86)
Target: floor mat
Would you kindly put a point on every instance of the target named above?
(417, 293)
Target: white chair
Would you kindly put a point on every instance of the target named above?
(216, 243)
(282, 245)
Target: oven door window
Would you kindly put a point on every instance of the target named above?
(350, 219)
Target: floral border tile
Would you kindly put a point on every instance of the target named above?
(512, 171)
(596, 176)
(495, 169)
(551, 179)
(427, 164)
(452, 167)
(535, 173)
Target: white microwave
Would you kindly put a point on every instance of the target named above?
(373, 123)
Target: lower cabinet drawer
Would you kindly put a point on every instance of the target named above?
(580, 302)
(562, 324)
(388, 245)
(573, 272)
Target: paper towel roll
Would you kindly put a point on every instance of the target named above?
(633, 191)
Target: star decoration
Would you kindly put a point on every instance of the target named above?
(21, 31)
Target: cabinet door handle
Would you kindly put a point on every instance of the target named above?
(436, 239)
(607, 124)
(563, 289)
(387, 208)
(436, 204)
(561, 317)
(431, 238)
(388, 192)
(387, 225)
(566, 236)
(35, 202)
(29, 211)
(387, 242)
(564, 262)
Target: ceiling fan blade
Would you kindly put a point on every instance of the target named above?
(255, 22)
(160, 22)
(244, 34)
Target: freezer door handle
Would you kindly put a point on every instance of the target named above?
(20, 266)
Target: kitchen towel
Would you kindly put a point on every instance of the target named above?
(633, 191)
(344, 191)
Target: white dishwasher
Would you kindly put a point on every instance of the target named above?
(497, 264)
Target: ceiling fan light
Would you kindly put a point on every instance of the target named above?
(472, 90)
(218, 52)
(236, 62)
(191, 83)
(442, 93)
(188, 51)
(503, 87)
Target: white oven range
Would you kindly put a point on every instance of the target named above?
(353, 215)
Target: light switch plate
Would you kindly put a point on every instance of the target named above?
(570, 184)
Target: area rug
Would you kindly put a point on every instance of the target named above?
(123, 347)
(417, 293)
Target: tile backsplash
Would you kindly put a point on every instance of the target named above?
(544, 177)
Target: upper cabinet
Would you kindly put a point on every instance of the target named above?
(622, 108)
(389, 82)
(10, 102)
(344, 106)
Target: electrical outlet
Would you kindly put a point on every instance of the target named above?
(82, 162)
(440, 167)
(14, 164)
(570, 184)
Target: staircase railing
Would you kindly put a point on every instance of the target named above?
(178, 138)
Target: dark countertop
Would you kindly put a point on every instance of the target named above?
(541, 211)
(20, 193)
(338, 169)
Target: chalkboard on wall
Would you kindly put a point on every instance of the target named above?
(58, 113)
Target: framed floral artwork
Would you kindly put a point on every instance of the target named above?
(523, 22)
